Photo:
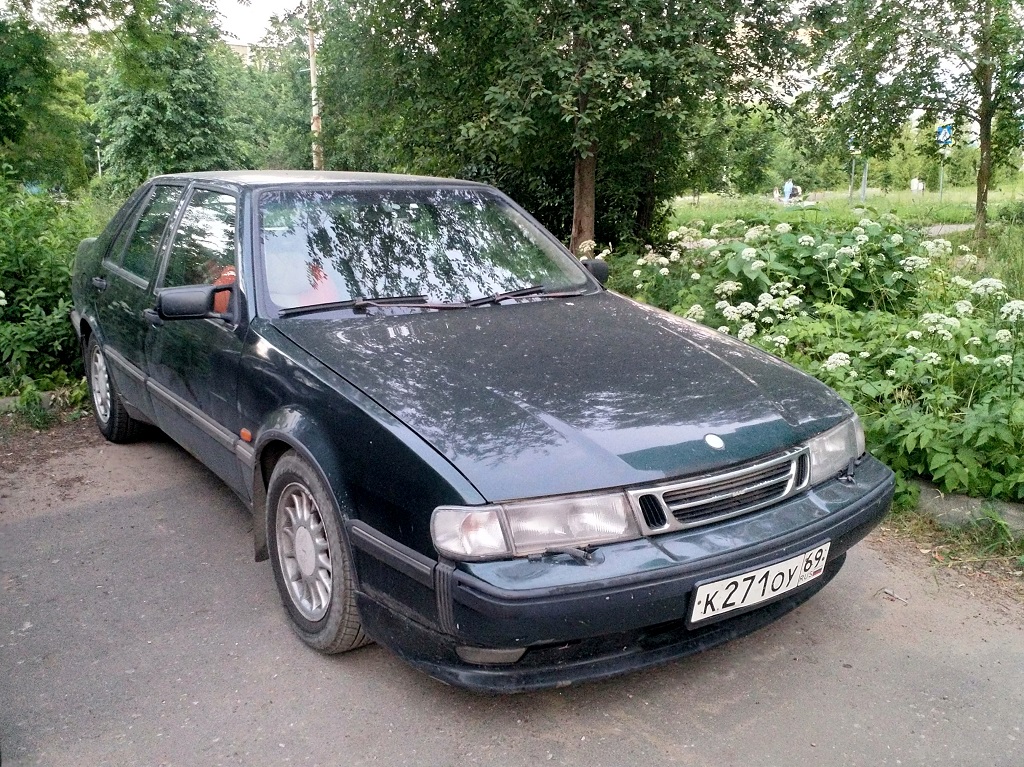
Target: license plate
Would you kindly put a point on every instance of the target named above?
(715, 599)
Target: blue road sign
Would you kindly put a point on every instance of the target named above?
(944, 134)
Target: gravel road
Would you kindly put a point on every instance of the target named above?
(135, 629)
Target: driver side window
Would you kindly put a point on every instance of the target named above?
(203, 252)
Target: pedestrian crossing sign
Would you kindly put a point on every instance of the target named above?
(944, 134)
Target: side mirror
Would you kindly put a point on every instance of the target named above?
(597, 268)
(191, 302)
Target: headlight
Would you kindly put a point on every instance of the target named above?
(831, 452)
(531, 527)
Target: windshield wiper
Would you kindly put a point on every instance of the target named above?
(360, 304)
(533, 290)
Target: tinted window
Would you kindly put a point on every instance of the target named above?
(204, 245)
(141, 254)
(451, 245)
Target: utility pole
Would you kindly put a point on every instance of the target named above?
(314, 120)
(99, 162)
(864, 182)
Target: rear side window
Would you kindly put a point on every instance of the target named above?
(140, 256)
(204, 246)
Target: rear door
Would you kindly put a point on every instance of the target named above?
(124, 290)
(193, 364)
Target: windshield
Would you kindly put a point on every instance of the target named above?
(324, 246)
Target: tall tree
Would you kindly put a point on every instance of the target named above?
(960, 61)
(581, 103)
(589, 62)
(163, 107)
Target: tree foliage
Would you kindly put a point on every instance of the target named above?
(163, 109)
(960, 61)
(536, 95)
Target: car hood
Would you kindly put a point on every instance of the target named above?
(565, 395)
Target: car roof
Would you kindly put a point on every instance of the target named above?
(308, 177)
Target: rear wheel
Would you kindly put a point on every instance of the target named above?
(111, 416)
(310, 557)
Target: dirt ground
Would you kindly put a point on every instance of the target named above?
(136, 629)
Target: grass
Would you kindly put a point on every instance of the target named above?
(987, 543)
(924, 209)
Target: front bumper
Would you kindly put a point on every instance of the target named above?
(624, 610)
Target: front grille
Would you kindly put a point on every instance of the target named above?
(708, 499)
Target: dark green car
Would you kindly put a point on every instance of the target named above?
(453, 440)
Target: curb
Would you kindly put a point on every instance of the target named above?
(959, 510)
(10, 404)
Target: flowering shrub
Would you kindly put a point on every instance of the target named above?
(908, 330)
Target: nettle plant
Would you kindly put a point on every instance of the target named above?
(908, 330)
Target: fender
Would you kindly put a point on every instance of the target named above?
(420, 476)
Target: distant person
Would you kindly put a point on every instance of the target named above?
(776, 195)
(787, 190)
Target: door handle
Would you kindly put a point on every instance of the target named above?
(152, 317)
(99, 283)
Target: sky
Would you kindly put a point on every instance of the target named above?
(248, 23)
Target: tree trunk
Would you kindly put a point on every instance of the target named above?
(986, 112)
(583, 203)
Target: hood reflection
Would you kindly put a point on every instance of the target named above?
(557, 396)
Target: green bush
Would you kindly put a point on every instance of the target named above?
(925, 347)
(1011, 212)
(38, 237)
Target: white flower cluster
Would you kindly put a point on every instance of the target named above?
(960, 282)
(988, 286)
(748, 254)
(806, 240)
(966, 260)
(781, 288)
(970, 359)
(862, 239)
(695, 313)
(663, 271)
(1003, 360)
(3, 298)
(747, 331)
(913, 335)
(1003, 336)
(783, 228)
(896, 239)
(757, 264)
(857, 230)
(973, 341)
(727, 288)
(963, 308)
(1012, 311)
(931, 358)
(757, 233)
(836, 361)
(780, 342)
(937, 248)
(940, 325)
(912, 264)
(695, 277)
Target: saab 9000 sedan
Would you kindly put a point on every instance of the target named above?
(453, 440)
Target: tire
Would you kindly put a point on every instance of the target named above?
(311, 560)
(111, 417)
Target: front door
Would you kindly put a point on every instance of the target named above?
(193, 364)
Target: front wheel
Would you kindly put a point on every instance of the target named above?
(311, 561)
(111, 416)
